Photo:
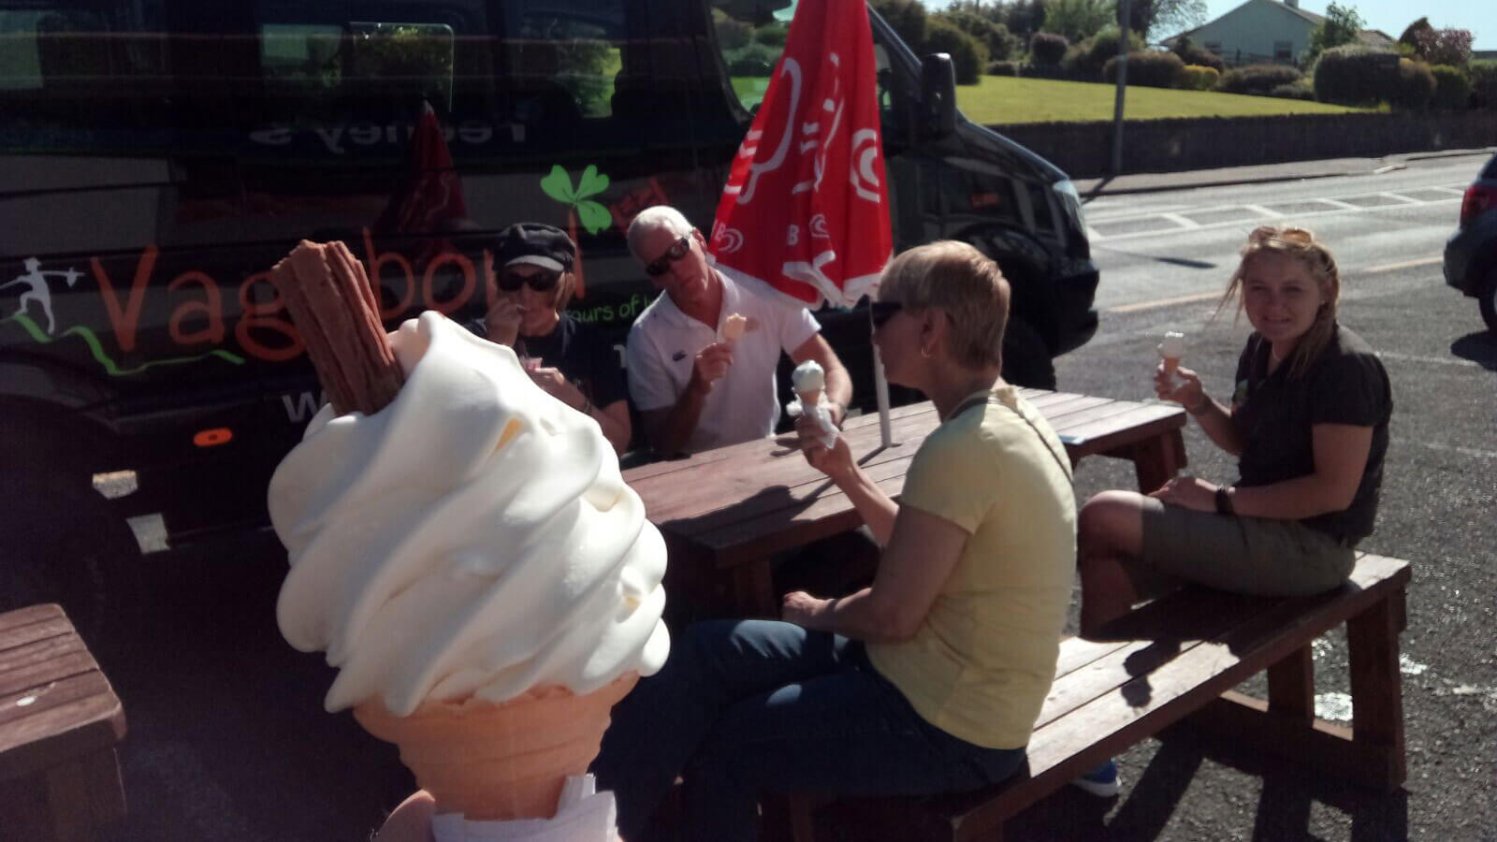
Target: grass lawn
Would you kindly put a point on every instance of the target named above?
(1005, 99)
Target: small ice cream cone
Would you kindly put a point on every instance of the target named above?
(1170, 365)
(499, 762)
(1170, 352)
(733, 327)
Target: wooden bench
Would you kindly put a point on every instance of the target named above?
(59, 723)
(1191, 648)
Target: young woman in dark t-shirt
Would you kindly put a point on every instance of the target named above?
(1308, 419)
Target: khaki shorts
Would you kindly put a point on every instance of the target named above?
(1245, 555)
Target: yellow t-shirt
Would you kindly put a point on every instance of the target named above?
(981, 663)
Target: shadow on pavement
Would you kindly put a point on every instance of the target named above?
(1479, 347)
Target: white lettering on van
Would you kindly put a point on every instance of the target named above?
(475, 133)
(273, 136)
(330, 137)
(364, 134)
(300, 406)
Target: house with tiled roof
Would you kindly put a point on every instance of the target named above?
(1262, 31)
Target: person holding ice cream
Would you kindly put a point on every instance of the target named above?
(930, 679)
(702, 357)
(528, 312)
(1308, 421)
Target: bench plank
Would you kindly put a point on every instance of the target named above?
(1191, 648)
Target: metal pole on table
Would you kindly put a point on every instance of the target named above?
(881, 391)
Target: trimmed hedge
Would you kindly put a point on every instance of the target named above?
(1257, 79)
(1148, 69)
(1087, 59)
(1191, 54)
(1354, 75)
(1047, 48)
(1452, 87)
(1003, 68)
(1483, 75)
(1416, 85)
(1198, 78)
(968, 55)
(1295, 90)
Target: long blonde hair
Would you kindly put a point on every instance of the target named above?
(1300, 245)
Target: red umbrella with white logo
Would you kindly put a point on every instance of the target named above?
(806, 206)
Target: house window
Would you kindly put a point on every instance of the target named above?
(1283, 51)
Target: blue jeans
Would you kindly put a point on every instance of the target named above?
(748, 706)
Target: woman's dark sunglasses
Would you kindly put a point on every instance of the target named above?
(882, 311)
(538, 281)
(677, 251)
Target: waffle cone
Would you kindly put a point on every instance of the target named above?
(499, 762)
(1170, 364)
(809, 397)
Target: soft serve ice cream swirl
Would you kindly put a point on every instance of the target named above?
(473, 539)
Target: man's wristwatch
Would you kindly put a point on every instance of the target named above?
(1224, 500)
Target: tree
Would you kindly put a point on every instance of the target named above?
(995, 36)
(906, 16)
(1342, 24)
(1145, 16)
(1078, 19)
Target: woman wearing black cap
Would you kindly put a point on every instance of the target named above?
(564, 356)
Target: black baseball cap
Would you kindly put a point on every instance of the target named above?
(537, 244)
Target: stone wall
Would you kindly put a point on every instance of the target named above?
(1084, 150)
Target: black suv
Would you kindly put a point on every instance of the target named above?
(1471, 252)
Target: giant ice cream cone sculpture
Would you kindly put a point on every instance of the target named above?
(499, 761)
(468, 556)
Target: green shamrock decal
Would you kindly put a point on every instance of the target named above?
(595, 217)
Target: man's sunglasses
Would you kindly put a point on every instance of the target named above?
(677, 251)
(882, 311)
(538, 281)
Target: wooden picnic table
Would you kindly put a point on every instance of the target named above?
(59, 723)
(726, 513)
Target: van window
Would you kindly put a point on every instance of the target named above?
(78, 76)
(751, 40)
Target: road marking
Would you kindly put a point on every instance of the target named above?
(1259, 209)
(1183, 222)
(1405, 199)
(1390, 267)
(1165, 302)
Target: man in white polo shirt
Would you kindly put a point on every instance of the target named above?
(693, 389)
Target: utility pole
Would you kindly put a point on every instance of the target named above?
(1117, 110)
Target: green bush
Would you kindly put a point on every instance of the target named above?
(1047, 48)
(1257, 79)
(1355, 75)
(907, 17)
(772, 36)
(1295, 90)
(1148, 69)
(1003, 68)
(1191, 54)
(1198, 78)
(752, 60)
(1452, 87)
(968, 55)
(732, 34)
(1483, 74)
(1087, 59)
(1416, 86)
(995, 36)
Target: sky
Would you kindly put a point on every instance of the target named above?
(1391, 16)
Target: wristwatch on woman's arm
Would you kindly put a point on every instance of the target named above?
(1224, 500)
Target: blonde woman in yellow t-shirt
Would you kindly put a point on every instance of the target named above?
(930, 679)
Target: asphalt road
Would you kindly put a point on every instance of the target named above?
(228, 741)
